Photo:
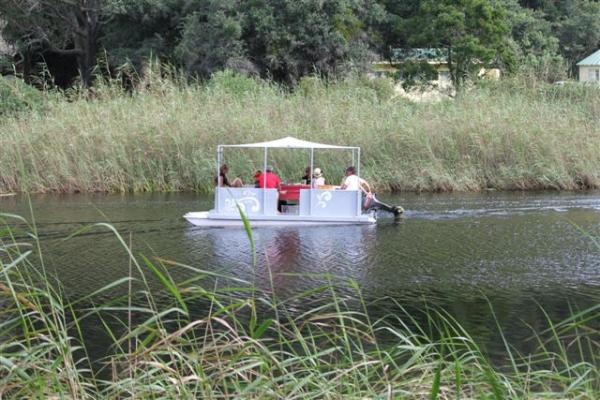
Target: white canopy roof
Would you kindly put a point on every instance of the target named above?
(288, 143)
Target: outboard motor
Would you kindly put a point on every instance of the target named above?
(371, 202)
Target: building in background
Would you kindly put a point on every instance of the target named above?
(589, 68)
(423, 74)
(436, 58)
(404, 62)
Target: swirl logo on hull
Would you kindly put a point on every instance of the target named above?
(248, 201)
(323, 199)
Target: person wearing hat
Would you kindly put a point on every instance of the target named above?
(318, 179)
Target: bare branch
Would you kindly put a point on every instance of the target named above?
(66, 52)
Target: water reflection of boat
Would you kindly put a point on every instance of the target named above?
(290, 258)
(315, 206)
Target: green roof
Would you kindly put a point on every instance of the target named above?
(420, 54)
(593, 59)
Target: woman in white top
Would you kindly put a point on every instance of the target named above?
(318, 179)
(352, 181)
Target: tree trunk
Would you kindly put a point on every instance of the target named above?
(87, 59)
(26, 54)
(87, 22)
(452, 69)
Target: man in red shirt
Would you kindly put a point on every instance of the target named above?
(268, 180)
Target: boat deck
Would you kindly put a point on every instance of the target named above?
(209, 219)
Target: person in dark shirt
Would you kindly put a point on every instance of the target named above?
(306, 179)
(257, 175)
(222, 180)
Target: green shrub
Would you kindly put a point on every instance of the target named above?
(233, 83)
(383, 87)
(6, 65)
(16, 96)
(359, 85)
(417, 75)
(310, 86)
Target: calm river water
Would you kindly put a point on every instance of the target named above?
(515, 251)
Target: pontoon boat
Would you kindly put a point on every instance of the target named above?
(315, 205)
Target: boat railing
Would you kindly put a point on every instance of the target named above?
(252, 201)
(331, 203)
(311, 202)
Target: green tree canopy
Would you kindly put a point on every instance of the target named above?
(579, 30)
(211, 37)
(287, 39)
(67, 27)
(532, 41)
(474, 32)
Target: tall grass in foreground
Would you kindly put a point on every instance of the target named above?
(162, 137)
(247, 343)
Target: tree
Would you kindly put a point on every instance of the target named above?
(396, 28)
(575, 24)
(280, 39)
(66, 27)
(579, 31)
(140, 29)
(474, 33)
(534, 43)
(288, 39)
(211, 37)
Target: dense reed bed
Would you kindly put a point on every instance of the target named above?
(196, 339)
(515, 134)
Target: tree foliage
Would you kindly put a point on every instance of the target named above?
(67, 27)
(536, 49)
(211, 37)
(579, 32)
(288, 39)
(473, 32)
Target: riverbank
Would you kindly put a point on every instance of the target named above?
(511, 135)
(196, 339)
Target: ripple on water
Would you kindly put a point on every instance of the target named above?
(517, 251)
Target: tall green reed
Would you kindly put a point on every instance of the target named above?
(162, 136)
(199, 338)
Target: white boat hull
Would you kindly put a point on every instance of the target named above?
(205, 218)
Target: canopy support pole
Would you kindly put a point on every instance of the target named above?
(264, 207)
(217, 187)
(359, 205)
(312, 161)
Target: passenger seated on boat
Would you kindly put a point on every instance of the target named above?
(318, 179)
(257, 175)
(307, 176)
(352, 181)
(370, 201)
(270, 180)
(222, 180)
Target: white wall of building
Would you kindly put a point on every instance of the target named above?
(589, 74)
